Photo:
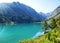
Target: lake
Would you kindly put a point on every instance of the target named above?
(14, 33)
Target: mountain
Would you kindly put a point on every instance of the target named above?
(55, 13)
(48, 14)
(18, 13)
(45, 16)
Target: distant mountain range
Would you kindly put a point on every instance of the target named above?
(18, 13)
(45, 15)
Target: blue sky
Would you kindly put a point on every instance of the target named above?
(39, 5)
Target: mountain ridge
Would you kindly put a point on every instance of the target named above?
(17, 12)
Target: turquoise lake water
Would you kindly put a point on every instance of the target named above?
(14, 33)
